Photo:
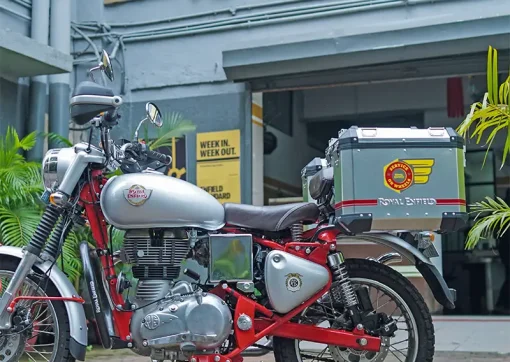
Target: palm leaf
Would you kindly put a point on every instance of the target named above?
(117, 238)
(485, 121)
(72, 261)
(492, 219)
(58, 139)
(174, 126)
(491, 116)
(28, 142)
(18, 225)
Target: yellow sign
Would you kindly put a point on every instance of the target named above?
(399, 175)
(218, 164)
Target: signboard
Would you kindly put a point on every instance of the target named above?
(218, 164)
(177, 168)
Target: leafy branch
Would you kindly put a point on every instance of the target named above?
(485, 121)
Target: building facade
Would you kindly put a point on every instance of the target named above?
(286, 73)
(35, 63)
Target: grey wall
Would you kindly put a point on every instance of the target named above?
(193, 55)
(8, 96)
(13, 105)
(15, 16)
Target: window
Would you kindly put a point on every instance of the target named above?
(320, 132)
(277, 111)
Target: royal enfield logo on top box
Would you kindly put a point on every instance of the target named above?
(399, 175)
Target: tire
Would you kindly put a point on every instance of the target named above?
(62, 343)
(285, 349)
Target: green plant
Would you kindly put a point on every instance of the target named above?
(20, 185)
(488, 119)
(20, 208)
(174, 126)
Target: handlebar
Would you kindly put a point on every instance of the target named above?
(161, 157)
(137, 157)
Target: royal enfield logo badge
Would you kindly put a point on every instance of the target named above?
(151, 321)
(399, 175)
(136, 195)
(293, 282)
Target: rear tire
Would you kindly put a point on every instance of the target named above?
(285, 350)
(61, 351)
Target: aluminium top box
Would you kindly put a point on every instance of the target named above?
(399, 179)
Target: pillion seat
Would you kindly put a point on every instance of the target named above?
(270, 218)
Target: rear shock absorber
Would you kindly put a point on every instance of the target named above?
(296, 231)
(341, 290)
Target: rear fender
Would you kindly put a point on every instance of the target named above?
(75, 311)
(445, 296)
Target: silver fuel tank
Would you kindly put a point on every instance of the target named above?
(149, 200)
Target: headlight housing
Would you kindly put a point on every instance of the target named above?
(54, 166)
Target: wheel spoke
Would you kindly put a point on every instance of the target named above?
(381, 297)
(36, 351)
(42, 322)
(395, 355)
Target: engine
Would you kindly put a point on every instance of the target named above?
(172, 318)
(184, 322)
(156, 253)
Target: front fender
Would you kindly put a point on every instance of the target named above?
(75, 311)
(444, 295)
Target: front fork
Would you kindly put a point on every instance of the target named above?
(31, 254)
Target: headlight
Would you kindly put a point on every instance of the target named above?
(54, 166)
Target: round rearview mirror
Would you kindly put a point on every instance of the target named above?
(154, 114)
(106, 65)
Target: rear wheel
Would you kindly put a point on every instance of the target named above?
(42, 332)
(391, 293)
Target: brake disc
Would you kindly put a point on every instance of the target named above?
(11, 347)
(341, 354)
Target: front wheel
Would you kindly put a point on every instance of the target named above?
(391, 293)
(41, 327)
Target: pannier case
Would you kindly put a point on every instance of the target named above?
(399, 179)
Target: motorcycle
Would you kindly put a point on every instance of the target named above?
(256, 272)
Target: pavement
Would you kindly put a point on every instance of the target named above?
(472, 334)
(458, 339)
(127, 356)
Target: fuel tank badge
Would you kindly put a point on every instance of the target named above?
(136, 195)
(293, 282)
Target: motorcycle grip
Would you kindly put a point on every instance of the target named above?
(161, 157)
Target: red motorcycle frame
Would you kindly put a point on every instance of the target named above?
(266, 322)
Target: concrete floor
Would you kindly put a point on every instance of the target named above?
(458, 339)
(126, 356)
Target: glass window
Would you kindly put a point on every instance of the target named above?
(476, 170)
(277, 111)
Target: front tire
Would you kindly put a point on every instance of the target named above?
(371, 273)
(51, 329)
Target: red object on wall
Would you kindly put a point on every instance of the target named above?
(455, 97)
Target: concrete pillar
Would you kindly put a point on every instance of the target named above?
(38, 86)
(60, 38)
(21, 107)
(257, 150)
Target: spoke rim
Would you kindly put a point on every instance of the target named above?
(393, 349)
(44, 322)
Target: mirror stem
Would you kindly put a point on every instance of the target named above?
(138, 128)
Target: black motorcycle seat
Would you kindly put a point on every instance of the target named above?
(270, 218)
